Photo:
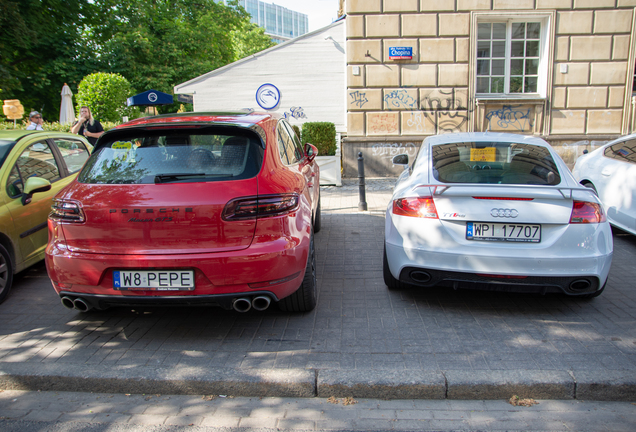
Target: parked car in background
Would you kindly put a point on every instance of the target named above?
(611, 172)
(34, 167)
(190, 209)
(496, 212)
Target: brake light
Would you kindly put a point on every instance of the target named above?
(422, 207)
(587, 212)
(67, 211)
(259, 207)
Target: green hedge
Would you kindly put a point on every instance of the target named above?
(322, 135)
(50, 126)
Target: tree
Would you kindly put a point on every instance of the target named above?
(41, 49)
(159, 44)
(105, 94)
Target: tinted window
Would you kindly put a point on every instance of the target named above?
(624, 151)
(286, 142)
(36, 161)
(5, 148)
(73, 152)
(158, 156)
(494, 163)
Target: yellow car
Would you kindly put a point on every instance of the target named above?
(34, 167)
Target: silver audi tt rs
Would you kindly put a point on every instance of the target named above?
(494, 211)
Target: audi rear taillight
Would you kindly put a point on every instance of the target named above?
(67, 211)
(587, 212)
(422, 207)
(259, 207)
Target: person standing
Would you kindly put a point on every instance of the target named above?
(36, 121)
(87, 126)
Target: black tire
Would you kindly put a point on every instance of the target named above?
(391, 282)
(317, 223)
(306, 296)
(6, 273)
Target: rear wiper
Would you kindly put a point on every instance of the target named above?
(162, 178)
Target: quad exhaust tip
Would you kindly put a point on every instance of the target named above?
(78, 304)
(242, 304)
(261, 303)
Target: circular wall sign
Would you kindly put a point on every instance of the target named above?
(152, 97)
(268, 96)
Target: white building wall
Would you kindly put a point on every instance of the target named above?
(309, 71)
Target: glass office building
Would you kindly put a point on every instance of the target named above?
(281, 24)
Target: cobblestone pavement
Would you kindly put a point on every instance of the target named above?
(65, 411)
(358, 324)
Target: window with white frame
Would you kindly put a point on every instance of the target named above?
(511, 57)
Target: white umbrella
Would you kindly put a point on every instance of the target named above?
(67, 113)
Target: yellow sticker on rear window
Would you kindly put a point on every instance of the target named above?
(122, 150)
(488, 154)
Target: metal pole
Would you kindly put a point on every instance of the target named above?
(362, 205)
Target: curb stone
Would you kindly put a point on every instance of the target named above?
(305, 383)
(381, 384)
(141, 380)
(504, 384)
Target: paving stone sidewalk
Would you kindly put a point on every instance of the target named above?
(24, 411)
(360, 333)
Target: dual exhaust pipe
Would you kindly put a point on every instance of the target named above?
(259, 303)
(78, 304)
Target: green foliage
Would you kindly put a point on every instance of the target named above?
(322, 135)
(153, 44)
(41, 48)
(50, 126)
(105, 94)
(297, 130)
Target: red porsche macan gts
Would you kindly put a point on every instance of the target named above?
(213, 209)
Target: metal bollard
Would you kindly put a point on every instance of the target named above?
(362, 205)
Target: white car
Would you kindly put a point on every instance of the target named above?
(494, 211)
(611, 171)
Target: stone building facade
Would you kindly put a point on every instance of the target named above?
(559, 69)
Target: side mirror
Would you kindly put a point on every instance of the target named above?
(310, 152)
(34, 185)
(402, 159)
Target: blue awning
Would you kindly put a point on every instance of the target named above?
(150, 97)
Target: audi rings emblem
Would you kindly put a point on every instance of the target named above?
(506, 213)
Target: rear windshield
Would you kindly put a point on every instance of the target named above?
(494, 163)
(159, 156)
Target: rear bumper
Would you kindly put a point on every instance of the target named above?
(275, 268)
(576, 263)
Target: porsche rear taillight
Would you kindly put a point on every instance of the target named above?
(67, 211)
(422, 207)
(587, 212)
(259, 207)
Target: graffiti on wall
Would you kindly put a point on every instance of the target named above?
(445, 110)
(510, 117)
(358, 99)
(414, 122)
(389, 150)
(383, 123)
(400, 99)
